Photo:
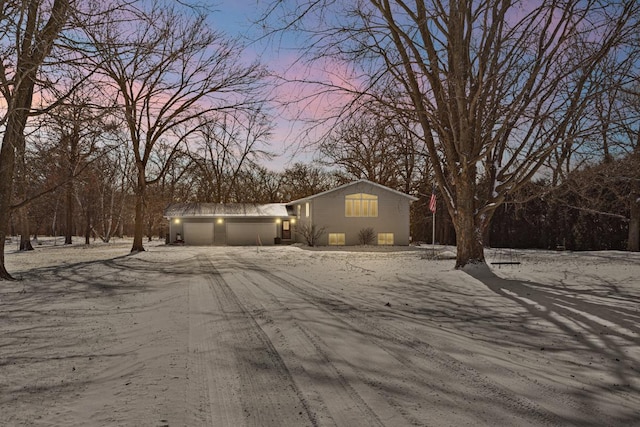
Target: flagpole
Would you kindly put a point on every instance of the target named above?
(433, 231)
(433, 208)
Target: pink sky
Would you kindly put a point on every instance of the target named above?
(304, 101)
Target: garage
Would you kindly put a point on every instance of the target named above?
(238, 224)
(246, 233)
(198, 233)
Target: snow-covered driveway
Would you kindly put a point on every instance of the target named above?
(284, 336)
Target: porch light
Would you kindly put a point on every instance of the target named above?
(176, 221)
(278, 221)
(293, 220)
(220, 221)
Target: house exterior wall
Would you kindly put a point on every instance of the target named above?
(247, 226)
(328, 211)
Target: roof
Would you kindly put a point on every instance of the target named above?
(360, 181)
(226, 210)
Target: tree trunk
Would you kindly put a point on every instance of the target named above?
(7, 161)
(469, 230)
(11, 141)
(138, 228)
(633, 243)
(68, 239)
(87, 228)
(25, 233)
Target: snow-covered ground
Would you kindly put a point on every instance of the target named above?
(289, 336)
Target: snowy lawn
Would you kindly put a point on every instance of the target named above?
(290, 336)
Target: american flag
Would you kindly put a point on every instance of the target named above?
(432, 201)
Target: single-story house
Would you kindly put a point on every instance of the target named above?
(341, 214)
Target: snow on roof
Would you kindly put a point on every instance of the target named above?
(364, 181)
(240, 210)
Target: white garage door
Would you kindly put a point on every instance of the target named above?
(198, 233)
(247, 233)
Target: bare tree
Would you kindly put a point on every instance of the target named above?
(169, 69)
(495, 86)
(303, 180)
(113, 188)
(377, 144)
(28, 30)
(258, 184)
(224, 145)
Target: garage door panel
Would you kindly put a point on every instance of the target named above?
(198, 233)
(245, 234)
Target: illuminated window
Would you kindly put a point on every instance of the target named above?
(361, 204)
(336, 239)
(385, 238)
(306, 209)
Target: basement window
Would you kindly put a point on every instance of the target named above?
(385, 238)
(336, 239)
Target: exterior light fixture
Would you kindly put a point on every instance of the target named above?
(176, 221)
(278, 221)
(220, 221)
(293, 220)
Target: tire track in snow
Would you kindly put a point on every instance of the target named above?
(247, 380)
(470, 391)
(212, 392)
(333, 387)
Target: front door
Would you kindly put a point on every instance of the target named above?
(286, 230)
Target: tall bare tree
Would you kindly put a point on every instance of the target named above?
(168, 69)
(28, 30)
(375, 144)
(223, 147)
(496, 86)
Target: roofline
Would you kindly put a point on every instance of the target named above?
(365, 181)
(228, 216)
(224, 215)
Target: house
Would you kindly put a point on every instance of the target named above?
(228, 223)
(345, 211)
(341, 214)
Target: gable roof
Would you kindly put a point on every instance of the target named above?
(360, 181)
(226, 210)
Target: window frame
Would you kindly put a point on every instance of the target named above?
(383, 239)
(361, 205)
(339, 239)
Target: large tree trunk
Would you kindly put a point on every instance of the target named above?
(138, 228)
(469, 230)
(11, 145)
(7, 162)
(25, 232)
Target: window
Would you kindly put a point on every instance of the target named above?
(336, 239)
(385, 238)
(361, 205)
(306, 209)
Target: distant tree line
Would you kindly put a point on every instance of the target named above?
(595, 208)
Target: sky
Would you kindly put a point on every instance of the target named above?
(235, 18)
